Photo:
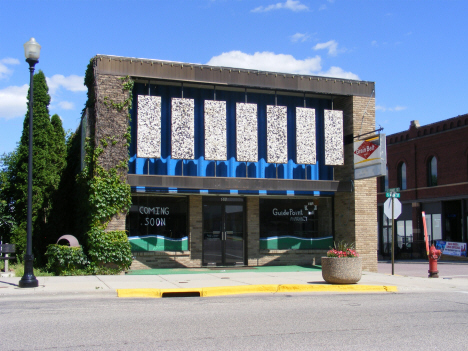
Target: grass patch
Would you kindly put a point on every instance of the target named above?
(18, 268)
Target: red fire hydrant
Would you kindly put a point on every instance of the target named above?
(434, 255)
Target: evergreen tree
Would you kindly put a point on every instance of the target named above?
(7, 220)
(58, 150)
(44, 175)
(59, 198)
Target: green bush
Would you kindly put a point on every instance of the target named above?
(109, 248)
(65, 260)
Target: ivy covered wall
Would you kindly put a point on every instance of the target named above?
(106, 167)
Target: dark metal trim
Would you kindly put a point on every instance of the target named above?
(188, 72)
(224, 183)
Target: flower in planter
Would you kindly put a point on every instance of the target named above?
(342, 249)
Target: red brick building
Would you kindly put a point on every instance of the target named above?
(430, 165)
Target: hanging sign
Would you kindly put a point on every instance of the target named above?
(370, 157)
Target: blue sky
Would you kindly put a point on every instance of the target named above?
(416, 51)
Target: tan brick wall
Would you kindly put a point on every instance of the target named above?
(253, 230)
(356, 212)
(290, 257)
(162, 259)
(195, 228)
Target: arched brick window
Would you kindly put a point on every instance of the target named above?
(432, 171)
(402, 176)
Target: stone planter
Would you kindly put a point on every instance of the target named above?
(341, 270)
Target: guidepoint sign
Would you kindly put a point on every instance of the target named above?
(396, 208)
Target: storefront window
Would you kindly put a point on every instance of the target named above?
(296, 224)
(158, 223)
(434, 227)
(404, 235)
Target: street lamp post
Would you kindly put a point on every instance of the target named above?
(31, 51)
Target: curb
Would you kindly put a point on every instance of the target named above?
(253, 289)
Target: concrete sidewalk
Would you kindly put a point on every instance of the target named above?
(246, 281)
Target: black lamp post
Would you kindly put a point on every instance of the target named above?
(31, 50)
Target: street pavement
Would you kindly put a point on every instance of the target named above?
(410, 276)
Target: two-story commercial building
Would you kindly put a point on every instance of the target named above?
(430, 166)
(232, 166)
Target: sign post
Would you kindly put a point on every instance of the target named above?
(392, 209)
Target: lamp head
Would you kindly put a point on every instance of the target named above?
(32, 50)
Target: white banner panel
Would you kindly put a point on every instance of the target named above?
(334, 150)
(246, 132)
(305, 136)
(277, 134)
(183, 129)
(149, 126)
(215, 130)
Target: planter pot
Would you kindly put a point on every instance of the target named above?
(341, 270)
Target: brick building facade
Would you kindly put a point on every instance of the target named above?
(232, 166)
(430, 165)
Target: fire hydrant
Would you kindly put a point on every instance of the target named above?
(434, 255)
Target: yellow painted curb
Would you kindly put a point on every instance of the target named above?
(255, 289)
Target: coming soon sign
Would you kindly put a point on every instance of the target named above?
(370, 157)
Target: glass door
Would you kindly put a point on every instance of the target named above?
(223, 232)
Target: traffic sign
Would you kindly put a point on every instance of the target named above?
(393, 190)
(396, 208)
(396, 195)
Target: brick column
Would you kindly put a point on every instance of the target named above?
(253, 230)
(111, 125)
(356, 212)
(195, 229)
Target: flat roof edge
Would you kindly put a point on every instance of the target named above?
(200, 73)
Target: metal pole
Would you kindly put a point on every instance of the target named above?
(29, 280)
(393, 241)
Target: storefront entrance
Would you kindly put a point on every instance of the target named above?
(223, 231)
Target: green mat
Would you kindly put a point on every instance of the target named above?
(214, 270)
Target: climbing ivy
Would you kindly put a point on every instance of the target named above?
(109, 194)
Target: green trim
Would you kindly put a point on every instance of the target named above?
(157, 243)
(295, 243)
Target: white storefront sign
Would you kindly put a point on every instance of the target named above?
(370, 157)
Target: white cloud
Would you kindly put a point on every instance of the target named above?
(293, 5)
(66, 105)
(73, 83)
(331, 46)
(322, 7)
(337, 72)
(390, 109)
(267, 61)
(299, 37)
(10, 61)
(13, 101)
(4, 70)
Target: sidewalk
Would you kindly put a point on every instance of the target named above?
(267, 280)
